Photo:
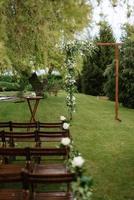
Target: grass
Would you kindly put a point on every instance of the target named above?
(106, 145)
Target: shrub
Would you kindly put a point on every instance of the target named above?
(6, 86)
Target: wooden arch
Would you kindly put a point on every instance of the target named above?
(116, 47)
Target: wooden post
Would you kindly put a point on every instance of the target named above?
(116, 46)
(116, 82)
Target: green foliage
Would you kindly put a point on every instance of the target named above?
(127, 32)
(4, 59)
(127, 75)
(33, 30)
(23, 82)
(55, 83)
(109, 86)
(91, 76)
(95, 64)
(105, 54)
(71, 52)
(6, 78)
(6, 86)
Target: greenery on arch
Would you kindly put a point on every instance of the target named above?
(72, 49)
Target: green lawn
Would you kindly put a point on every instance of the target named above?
(107, 145)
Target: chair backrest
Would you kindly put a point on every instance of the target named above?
(9, 189)
(11, 152)
(17, 126)
(32, 179)
(51, 125)
(2, 139)
(12, 137)
(5, 125)
(54, 178)
(52, 136)
(46, 153)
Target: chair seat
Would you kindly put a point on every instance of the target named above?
(7, 170)
(13, 194)
(49, 169)
(53, 196)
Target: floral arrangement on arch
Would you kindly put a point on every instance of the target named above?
(71, 50)
(81, 187)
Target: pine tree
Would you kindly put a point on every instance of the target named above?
(127, 66)
(91, 76)
(105, 54)
(94, 66)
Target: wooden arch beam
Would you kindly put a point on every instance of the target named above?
(116, 47)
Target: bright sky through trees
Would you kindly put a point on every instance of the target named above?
(116, 16)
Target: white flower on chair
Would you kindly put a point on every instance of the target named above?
(66, 126)
(62, 118)
(78, 161)
(65, 141)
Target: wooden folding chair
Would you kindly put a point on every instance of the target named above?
(13, 170)
(7, 189)
(24, 126)
(35, 179)
(52, 136)
(2, 139)
(44, 126)
(48, 155)
(5, 126)
(49, 167)
(11, 138)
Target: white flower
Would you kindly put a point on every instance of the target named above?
(72, 80)
(78, 161)
(33, 94)
(66, 125)
(31, 62)
(65, 141)
(62, 118)
(73, 98)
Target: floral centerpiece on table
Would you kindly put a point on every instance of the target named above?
(33, 94)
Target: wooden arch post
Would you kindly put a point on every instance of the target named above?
(116, 47)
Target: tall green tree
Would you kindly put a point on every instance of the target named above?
(127, 66)
(94, 66)
(105, 54)
(91, 76)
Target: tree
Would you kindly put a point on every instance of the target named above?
(95, 65)
(4, 59)
(91, 76)
(127, 67)
(34, 29)
(105, 54)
